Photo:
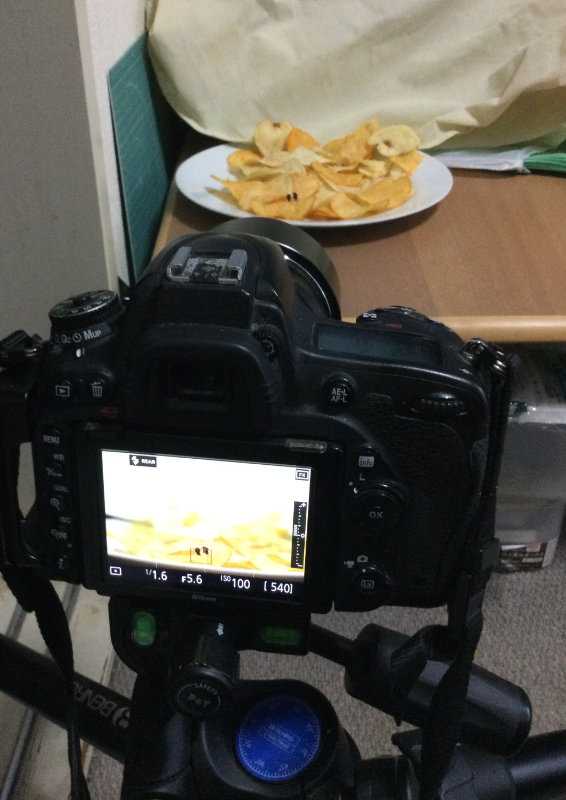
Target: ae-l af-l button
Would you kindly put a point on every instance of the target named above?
(338, 394)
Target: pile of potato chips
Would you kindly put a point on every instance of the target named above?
(290, 175)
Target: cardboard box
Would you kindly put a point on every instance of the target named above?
(529, 529)
(532, 485)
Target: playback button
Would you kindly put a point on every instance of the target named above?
(66, 389)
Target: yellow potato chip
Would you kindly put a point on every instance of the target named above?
(245, 192)
(270, 137)
(250, 164)
(395, 140)
(346, 206)
(367, 129)
(239, 158)
(259, 171)
(408, 162)
(387, 191)
(374, 167)
(295, 203)
(306, 156)
(337, 177)
(322, 213)
(299, 138)
(347, 150)
(320, 206)
(282, 184)
(355, 146)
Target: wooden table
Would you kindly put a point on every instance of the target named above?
(489, 260)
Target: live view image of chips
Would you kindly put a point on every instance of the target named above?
(206, 515)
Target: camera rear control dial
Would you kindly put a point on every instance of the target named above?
(440, 405)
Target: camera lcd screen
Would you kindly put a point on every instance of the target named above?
(206, 525)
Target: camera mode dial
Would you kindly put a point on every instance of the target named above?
(84, 317)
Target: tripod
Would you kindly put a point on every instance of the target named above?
(282, 739)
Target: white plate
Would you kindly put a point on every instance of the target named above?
(431, 181)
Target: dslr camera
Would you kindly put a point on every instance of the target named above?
(221, 446)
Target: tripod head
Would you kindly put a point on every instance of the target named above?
(198, 731)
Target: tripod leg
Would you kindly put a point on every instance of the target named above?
(157, 756)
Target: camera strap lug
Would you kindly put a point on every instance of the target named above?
(485, 355)
(18, 347)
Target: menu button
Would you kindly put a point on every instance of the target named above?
(52, 437)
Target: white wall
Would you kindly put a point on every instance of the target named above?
(106, 30)
(60, 217)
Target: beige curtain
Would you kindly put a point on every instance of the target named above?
(461, 72)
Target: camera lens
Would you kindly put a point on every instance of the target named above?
(307, 260)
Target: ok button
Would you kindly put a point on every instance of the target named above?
(375, 510)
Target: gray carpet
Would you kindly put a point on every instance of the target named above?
(524, 641)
